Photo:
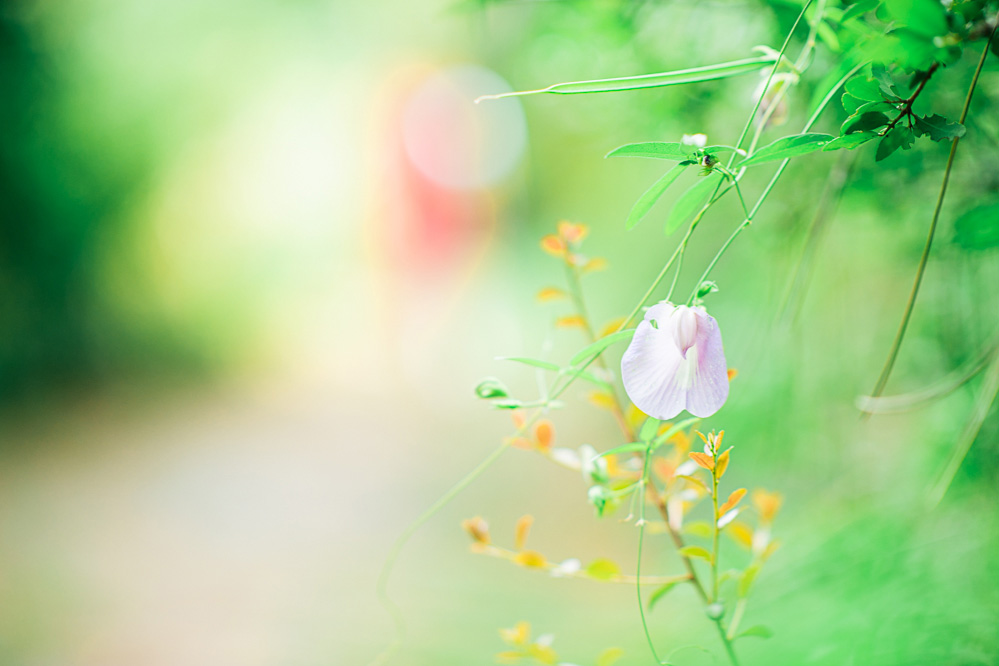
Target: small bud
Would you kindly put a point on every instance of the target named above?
(715, 611)
(707, 287)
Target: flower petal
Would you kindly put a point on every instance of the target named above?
(649, 366)
(709, 388)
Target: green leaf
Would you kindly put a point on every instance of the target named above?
(661, 592)
(925, 17)
(885, 82)
(631, 447)
(939, 128)
(695, 551)
(850, 141)
(864, 123)
(759, 631)
(851, 103)
(673, 78)
(875, 107)
(533, 362)
(746, 582)
(787, 147)
(858, 9)
(864, 88)
(598, 346)
(691, 201)
(698, 528)
(675, 428)
(978, 228)
(899, 137)
(602, 569)
(648, 430)
(489, 388)
(659, 150)
(651, 196)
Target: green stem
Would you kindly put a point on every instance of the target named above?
(641, 542)
(714, 526)
(773, 181)
(400, 542)
(990, 388)
(921, 269)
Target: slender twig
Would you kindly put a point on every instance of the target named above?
(921, 269)
(905, 106)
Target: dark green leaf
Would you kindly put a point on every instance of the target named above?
(875, 107)
(978, 228)
(885, 82)
(652, 195)
(939, 128)
(864, 122)
(691, 201)
(850, 141)
(660, 593)
(899, 137)
(789, 146)
(851, 103)
(924, 17)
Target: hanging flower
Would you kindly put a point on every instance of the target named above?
(676, 362)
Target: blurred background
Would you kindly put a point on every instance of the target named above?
(255, 255)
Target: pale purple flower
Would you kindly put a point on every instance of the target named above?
(676, 362)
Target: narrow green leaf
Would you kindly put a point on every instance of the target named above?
(850, 141)
(659, 80)
(788, 146)
(660, 150)
(533, 362)
(695, 551)
(600, 345)
(759, 631)
(858, 9)
(691, 201)
(631, 447)
(661, 592)
(651, 196)
(489, 388)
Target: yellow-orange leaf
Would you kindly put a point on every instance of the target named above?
(544, 434)
(553, 245)
(663, 468)
(742, 534)
(635, 416)
(702, 459)
(694, 481)
(722, 465)
(517, 635)
(611, 327)
(602, 400)
(732, 500)
(570, 322)
(518, 418)
(530, 558)
(732, 373)
(519, 443)
(509, 656)
(767, 503)
(595, 264)
(522, 530)
(550, 294)
(542, 653)
(478, 528)
(572, 232)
